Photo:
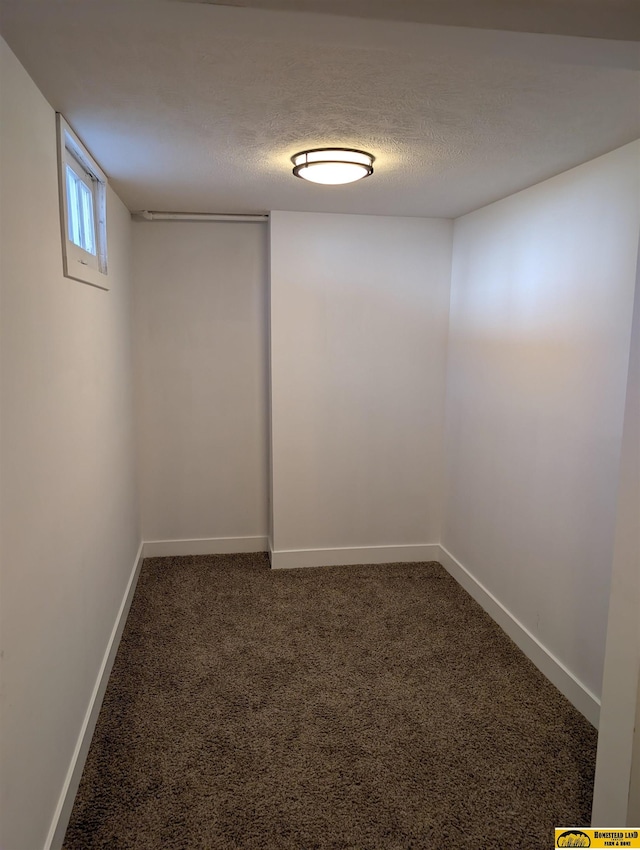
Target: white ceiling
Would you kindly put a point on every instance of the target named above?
(198, 106)
(591, 18)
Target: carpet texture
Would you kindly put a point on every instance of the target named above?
(345, 707)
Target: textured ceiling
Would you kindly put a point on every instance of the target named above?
(197, 107)
(590, 18)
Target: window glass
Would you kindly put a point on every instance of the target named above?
(82, 231)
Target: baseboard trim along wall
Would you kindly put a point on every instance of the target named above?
(578, 694)
(204, 546)
(74, 774)
(286, 559)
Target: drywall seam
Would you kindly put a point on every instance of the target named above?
(63, 810)
(204, 546)
(573, 689)
(283, 559)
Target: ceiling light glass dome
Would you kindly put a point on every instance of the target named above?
(332, 166)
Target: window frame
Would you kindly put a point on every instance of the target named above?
(79, 264)
(85, 178)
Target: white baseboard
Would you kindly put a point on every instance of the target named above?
(63, 810)
(575, 691)
(285, 559)
(203, 546)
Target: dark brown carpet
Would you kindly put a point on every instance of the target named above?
(347, 707)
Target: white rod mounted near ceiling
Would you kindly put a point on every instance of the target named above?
(148, 215)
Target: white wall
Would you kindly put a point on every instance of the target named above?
(201, 379)
(541, 303)
(633, 810)
(616, 800)
(69, 528)
(359, 311)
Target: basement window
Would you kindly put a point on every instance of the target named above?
(83, 210)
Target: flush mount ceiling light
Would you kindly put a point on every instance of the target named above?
(332, 165)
